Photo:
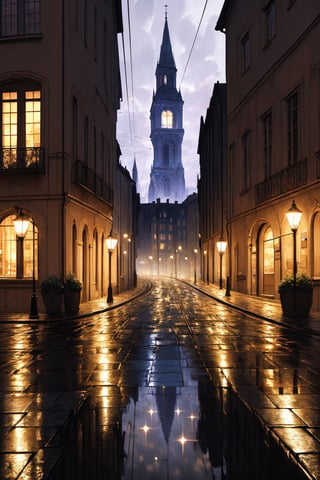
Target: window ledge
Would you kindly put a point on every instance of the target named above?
(24, 37)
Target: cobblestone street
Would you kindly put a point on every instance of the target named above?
(174, 384)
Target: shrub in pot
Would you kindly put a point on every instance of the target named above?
(296, 302)
(51, 291)
(72, 292)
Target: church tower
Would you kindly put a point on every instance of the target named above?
(167, 173)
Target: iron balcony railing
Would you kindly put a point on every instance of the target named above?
(89, 180)
(288, 179)
(22, 160)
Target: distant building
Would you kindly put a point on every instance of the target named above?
(60, 92)
(167, 172)
(168, 239)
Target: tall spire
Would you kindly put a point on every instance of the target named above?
(166, 55)
(135, 172)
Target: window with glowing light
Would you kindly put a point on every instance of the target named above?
(20, 127)
(268, 253)
(16, 254)
(316, 250)
(166, 119)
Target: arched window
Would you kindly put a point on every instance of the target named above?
(95, 257)
(316, 250)
(166, 119)
(16, 253)
(20, 125)
(74, 250)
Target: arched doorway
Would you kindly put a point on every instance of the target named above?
(85, 279)
(265, 261)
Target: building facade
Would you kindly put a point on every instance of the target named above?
(60, 91)
(166, 115)
(273, 124)
(125, 221)
(212, 186)
(168, 239)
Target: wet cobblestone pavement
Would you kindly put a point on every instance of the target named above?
(172, 385)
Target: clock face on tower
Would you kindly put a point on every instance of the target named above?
(166, 119)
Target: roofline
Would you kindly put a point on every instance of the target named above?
(222, 20)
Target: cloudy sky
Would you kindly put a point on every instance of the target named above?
(195, 78)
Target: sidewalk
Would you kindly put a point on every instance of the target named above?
(261, 307)
(257, 306)
(92, 307)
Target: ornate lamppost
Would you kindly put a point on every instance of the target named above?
(111, 245)
(195, 251)
(221, 246)
(294, 216)
(177, 250)
(21, 225)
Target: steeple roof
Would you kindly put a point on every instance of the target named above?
(166, 55)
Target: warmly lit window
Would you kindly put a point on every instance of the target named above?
(166, 119)
(20, 17)
(21, 127)
(268, 252)
(292, 116)
(316, 249)
(16, 254)
(267, 144)
(245, 45)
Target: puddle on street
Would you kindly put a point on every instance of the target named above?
(162, 435)
(163, 424)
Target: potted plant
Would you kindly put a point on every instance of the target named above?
(51, 291)
(296, 302)
(72, 291)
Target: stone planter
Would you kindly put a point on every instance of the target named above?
(72, 300)
(302, 305)
(52, 302)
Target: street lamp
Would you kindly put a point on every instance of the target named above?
(195, 251)
(177, 250)
(221, 246)
(111, 245)
(21, 225)
(294, 216)
(171, 258)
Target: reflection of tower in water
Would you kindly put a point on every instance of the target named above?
(166, 395)
(166, 402)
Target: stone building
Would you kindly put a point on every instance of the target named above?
(60, 91)
(273, 125)
(212, 186)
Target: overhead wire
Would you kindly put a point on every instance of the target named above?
(193, 43)
(131, 64)
(126, 83)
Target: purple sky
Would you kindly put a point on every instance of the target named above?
(206, 66)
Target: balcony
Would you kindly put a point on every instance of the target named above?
(88, 179)
(288, 179)
(27, 160)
